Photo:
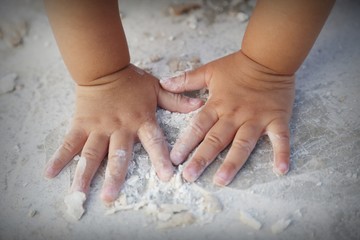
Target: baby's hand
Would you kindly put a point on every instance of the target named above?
(110, 116)
(246, 100)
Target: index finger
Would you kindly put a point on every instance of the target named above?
(193, 134)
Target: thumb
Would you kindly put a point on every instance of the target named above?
(178, 103)
(187, 81)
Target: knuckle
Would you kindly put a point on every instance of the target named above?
(281, 137)
(150, 134)
(178, 82)
(234, 111)
(185, 80)
(243, 144)
(154, 140)
(68, 146)
(215, 140)
(91, 154)
(200, 162)
(230, 166)
(113, 174)
(283, 154)
(284, 136)
(178, 98)
(115, 122)
(134, 115)
(197, 129)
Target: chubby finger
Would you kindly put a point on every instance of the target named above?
(279, 134)
(92, 154)
(154, 142)
(187, 81)
(193, 134)
(178, 103)
(241, 147)
(72, 144)
(120, 153)
(219, 136)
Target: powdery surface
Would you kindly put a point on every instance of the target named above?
(318, 199)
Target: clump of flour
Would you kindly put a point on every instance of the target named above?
(74, 203)
(169, 204)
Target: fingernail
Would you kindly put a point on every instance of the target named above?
(281, 169)
(176, 157)
(190, 174)
(166, 175)
(109, 194)
(164, 80)
(49, 172)
(221, 179)
(194, 101)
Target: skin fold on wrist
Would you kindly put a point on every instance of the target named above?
(260, 77)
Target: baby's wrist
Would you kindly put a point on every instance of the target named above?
(258, 76)
(107, 78)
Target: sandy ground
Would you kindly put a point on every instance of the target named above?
(320, 195)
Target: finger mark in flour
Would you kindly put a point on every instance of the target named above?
(249, 220)
(281, 225)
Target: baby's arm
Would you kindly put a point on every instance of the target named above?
(115, 101)
(90, 37)
(251, 91)
(281, 33)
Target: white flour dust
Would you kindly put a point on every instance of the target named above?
(170, 204)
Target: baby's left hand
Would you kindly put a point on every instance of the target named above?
(246, 100)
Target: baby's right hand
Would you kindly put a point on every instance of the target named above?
(110, 116)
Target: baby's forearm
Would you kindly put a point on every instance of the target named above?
(281, 33)
(90, 36)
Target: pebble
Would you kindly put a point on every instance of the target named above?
(192, 22)
(180, 9)
(155, 58)
(32, 213)
(298, 213)
(7, 83)
(242, 17)
(14, 32)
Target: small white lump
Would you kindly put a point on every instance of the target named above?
(74, 203)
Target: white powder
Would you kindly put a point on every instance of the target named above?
(175, 202)
(81, 165)
(166, 201)
(120, 153)
(74, 203)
